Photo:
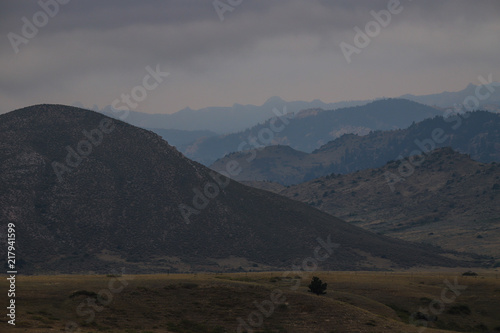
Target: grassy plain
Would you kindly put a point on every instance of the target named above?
(190, 303)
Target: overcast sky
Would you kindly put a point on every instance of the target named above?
(94, 51)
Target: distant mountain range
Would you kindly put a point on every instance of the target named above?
(448, 200)
(221, 120)
(87, 194)
(224, 120)
(310, 129)
(476, 133)
(488, 96)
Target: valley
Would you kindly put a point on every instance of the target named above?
(235, 166)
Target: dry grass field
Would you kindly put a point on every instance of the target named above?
(265, 302)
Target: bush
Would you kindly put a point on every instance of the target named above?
(459, 310)
(423, 316)
(317, 286)
(469, 273)
(482, 327)
(113, 275)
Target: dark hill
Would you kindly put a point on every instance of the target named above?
(119, 206)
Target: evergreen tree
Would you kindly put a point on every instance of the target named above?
(317, 286)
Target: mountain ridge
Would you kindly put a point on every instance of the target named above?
(313, 128)
(251, 115)
(449, 99)
(222, 120)
(476, 133)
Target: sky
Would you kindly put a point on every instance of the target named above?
(218, 53)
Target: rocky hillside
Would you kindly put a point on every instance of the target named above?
(443, 198)
(88, 193)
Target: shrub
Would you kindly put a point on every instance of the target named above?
(83, 292)
(113, 275)
(317, 286)
(423, 316)
(460, 309)
(481, 327)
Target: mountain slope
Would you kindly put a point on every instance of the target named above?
(180, 138)
(475, 133)
(119, 204)
(310, 129)
(280, 162)
(448, 200)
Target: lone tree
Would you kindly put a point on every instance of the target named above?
(317, 286)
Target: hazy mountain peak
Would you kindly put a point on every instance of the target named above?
(274, 100)
(186, 109)
(490, 92)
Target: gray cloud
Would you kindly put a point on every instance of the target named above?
(93, 51)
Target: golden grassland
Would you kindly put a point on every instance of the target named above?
(355, 302)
